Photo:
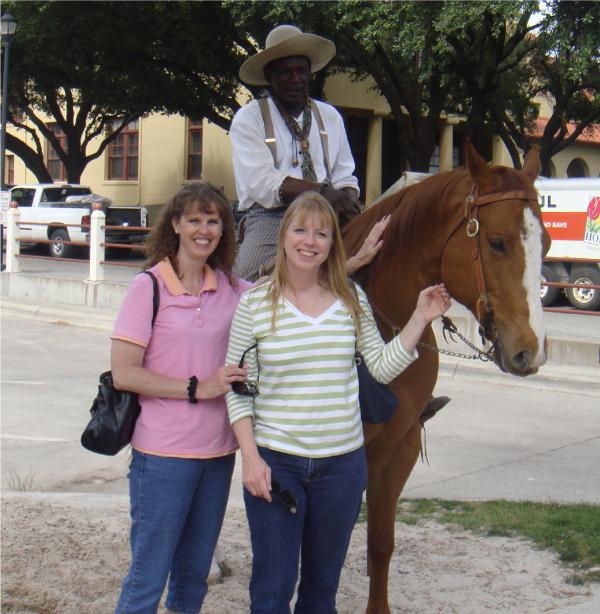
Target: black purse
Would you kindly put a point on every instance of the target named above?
(114, 412)
(377, 401)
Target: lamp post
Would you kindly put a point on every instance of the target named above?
(9, 26)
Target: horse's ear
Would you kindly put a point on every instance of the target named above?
(532, 164)
(475, 163)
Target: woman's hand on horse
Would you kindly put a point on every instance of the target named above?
(256, 476)
(371, 245)
(433, 302)
(220, 381)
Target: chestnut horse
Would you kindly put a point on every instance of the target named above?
(479, 231)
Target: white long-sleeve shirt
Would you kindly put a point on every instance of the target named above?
(257, 177)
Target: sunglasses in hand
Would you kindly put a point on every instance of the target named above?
(247, 389)
(285, 497)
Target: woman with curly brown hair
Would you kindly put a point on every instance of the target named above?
(183, 446)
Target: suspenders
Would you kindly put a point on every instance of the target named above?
(271, 141)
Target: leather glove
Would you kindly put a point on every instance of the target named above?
(344, 202)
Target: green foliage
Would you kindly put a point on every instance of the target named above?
(89, 64)
(568, 68)
(86, 64)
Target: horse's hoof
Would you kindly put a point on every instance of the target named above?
(433, 406)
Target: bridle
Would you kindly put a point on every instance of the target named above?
(483, 308)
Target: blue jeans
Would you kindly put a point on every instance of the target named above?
(177, 509)
(329, 495)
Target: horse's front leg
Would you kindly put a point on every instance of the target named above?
(388, 472)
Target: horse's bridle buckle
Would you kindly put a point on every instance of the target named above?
(472, 228)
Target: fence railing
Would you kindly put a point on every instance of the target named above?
(97, 243)
(563, 285)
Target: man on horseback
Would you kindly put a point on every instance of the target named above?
(285, 143)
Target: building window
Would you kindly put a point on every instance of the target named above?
(194, 153)
(9, 173)
(55, 166)
(434, 163)
(123, 153)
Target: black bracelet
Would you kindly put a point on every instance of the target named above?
(280, 193)
(191, 389)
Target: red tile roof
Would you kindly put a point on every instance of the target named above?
(591, 134)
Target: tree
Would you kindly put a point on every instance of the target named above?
(490, 43)
(483, 61)
(568, 65)
(116, 62)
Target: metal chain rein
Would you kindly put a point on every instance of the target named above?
(450, 328)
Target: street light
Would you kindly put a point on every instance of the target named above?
(8, 29)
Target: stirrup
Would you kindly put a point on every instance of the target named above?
(433, 406)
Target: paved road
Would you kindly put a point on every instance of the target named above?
(500, 437)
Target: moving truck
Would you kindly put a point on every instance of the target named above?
(571, 214)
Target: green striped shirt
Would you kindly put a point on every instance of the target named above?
(308, 399)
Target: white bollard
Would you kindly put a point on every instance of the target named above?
(97, 239)
(13, 247)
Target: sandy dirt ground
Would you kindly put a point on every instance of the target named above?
(69, 555)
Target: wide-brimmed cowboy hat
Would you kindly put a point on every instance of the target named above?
(282, 42)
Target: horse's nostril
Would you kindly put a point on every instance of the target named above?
(522, 360)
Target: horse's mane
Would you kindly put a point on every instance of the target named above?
(410, 208)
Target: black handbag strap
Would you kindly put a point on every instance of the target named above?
(155, 297)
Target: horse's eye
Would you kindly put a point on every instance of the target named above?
(498, 245)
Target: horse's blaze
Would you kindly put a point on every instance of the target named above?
(531, 239)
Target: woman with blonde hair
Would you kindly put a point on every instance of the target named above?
(301, 439)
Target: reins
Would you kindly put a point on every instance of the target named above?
(448, 327)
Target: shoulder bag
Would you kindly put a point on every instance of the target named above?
(114, 412)
(377, 401)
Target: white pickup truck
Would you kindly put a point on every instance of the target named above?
(61, 212)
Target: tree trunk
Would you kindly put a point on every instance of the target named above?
(32, 160)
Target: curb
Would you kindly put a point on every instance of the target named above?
(70, 315)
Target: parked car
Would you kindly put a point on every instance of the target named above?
(62, 212)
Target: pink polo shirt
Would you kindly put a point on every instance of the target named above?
(190, 337)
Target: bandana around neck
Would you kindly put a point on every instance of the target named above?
(300, 135)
